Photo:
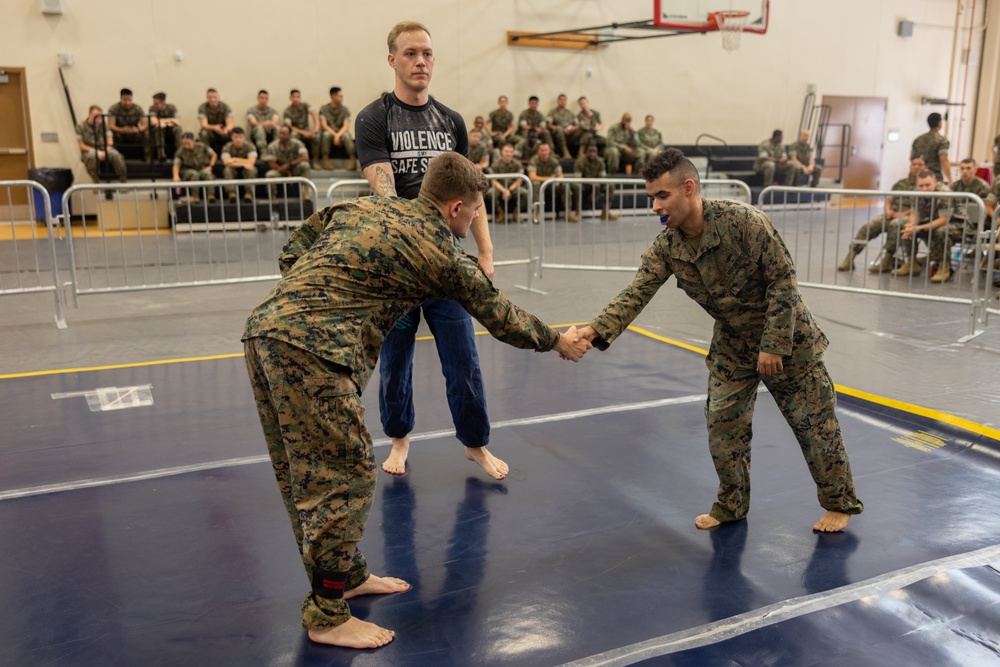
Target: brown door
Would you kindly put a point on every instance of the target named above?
(854, 135)
(15, 133)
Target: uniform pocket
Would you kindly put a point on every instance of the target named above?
(340, 418)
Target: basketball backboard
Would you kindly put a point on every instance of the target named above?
(696, 15)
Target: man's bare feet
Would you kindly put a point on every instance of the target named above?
(706, 521)
(493, 466)
(378, 586)
(354, 633)
(395, 464)
(832, 522)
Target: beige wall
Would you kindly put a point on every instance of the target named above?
(847, 47)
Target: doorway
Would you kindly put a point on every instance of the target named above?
(855, 133)
(16, 151)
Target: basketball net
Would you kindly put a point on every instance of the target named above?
(731, 24)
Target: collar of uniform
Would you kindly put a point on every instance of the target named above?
(679, 249)
(430, 212)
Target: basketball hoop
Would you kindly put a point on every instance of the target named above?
(730, 24)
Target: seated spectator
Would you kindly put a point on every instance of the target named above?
(287, 157)
(969, 182)
(588, 124)
(650, 137)
(167, 126)
(479, 153)
(501, 125)
(240, 159)
(263, 121)
(772, 159)
(800, 154)
(297, 116)
(506, 191)
(532, 119)
(526, 149)
(624, 148)
(545, 166)
(128, 123)
(929, 220)
(193, 162)
(886, 223)
(561, 123)
(591, 165)
(97, 145)
(216, 120)
(335, 125)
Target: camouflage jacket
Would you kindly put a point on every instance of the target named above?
(932, 208)
(247, 150)
(931, 146)
(526, 149)
(903, 203)
(994, 195)
(198, 157)
(590, 123)
(168, 111)
(91, 134)
(742, 275)
(500, 120)
(562, 117)
(352, 270)
(768, 148)
(262, 115)
(126, 117)
(501, 167)
(285, 154)
(550, 167)
(335, 116)
(529, 119)
(479, 152)
(588, 168)
(297, 115)
(216, 116)
(801, 151)
(650, 138)
(962, 212)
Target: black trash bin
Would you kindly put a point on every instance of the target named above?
(57, 181)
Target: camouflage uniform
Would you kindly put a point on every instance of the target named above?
(298, 117)
(618, 138)
(940, 239)
(258, 134)
(882, 225)
(286, 154)
(594, 196)
(216, 116)
(533, 119)
(561, 118)
(500, 121)
(803, 153)
(767, 149)
(479, 152)
(348, 274)
(91, 135)
(587, 132)
(192, 163)
(557, 193)
(526, 149)
(247, 150)
(931, 146)
(335, 118)
(742, 275)
(996, 157)
(168, 111)
(129, 118)
(517, 201)
(651, 139)
(963, 215)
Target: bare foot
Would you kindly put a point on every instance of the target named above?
(353, 633)
(493, 466)
(706, 521)
(832, 522)
(395, 464)
(378, 586)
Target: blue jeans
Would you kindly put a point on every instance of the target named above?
(456, 347)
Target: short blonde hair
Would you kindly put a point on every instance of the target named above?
(400, 28)
(452, 176)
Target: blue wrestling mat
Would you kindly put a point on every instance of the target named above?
(154, 534)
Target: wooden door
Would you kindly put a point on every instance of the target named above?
(15, 133)
(863, 141)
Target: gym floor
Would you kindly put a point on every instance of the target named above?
(155, 534)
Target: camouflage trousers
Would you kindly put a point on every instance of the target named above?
(92, 164)
(261, 138)
(939, 241)
(326, 144)
(324, 462)
(235, 173)
(615, 156)
(872, 229)
(807, 399)
(769, 170)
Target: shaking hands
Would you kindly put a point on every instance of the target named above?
(574, 343)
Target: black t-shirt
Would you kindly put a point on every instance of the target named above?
(407, 137)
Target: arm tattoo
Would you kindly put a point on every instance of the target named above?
(383, 182)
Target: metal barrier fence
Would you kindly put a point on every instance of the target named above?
(28, 260)
(616, 224)
(152, 235)
(819, 240)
